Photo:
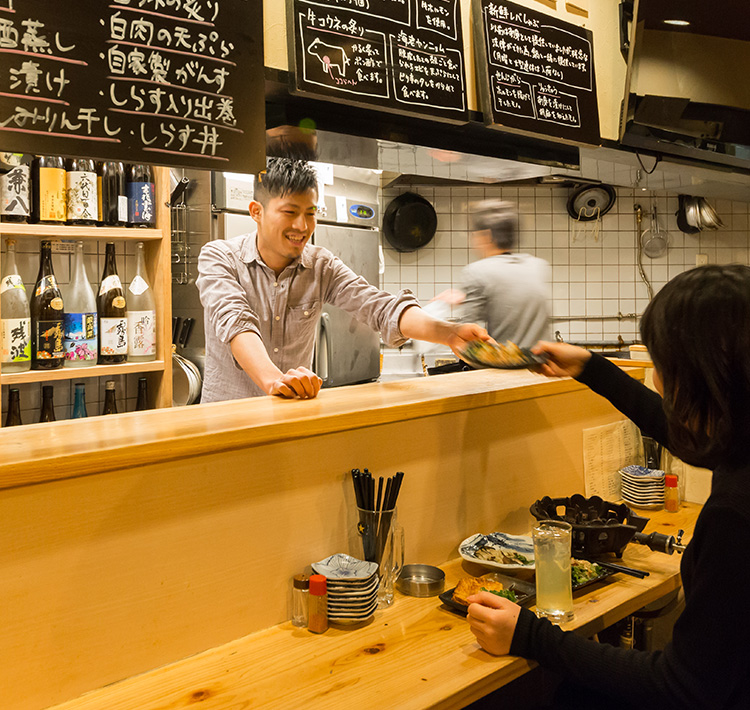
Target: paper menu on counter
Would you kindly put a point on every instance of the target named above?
(606, 449)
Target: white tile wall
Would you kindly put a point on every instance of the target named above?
(594, 265)
(126, 386)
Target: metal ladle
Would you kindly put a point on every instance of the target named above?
(654, 240)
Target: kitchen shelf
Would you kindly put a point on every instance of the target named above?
(78, 373)
(72, 232)
(158, 256)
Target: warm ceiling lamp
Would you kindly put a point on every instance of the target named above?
(679, 23)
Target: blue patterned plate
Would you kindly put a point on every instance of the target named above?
(503, 546)
(345, 567)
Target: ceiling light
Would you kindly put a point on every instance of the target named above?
(679, 23)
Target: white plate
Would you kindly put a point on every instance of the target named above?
(516, 543)
(346, 592)
(341, 567)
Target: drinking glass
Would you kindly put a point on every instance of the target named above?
(554, 585)
(382, 542)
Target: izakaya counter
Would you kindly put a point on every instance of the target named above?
(132, 541)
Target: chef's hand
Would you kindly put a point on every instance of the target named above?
(461, 334)
(493, 621)
(564, 360)
(298, 383)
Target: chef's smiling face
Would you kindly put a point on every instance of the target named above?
(285, 225)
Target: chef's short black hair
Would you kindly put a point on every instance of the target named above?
(697, 331)
(501, 218)
(285, 177)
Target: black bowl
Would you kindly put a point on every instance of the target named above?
(599, 527)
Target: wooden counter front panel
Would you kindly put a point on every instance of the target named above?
(107, 576)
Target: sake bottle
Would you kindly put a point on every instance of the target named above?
(113, 323)
(113, 196)
(141, 403)
(48, 405)
(15, 325)
(141, 196)
(82, 191)
(110, 402)
(47, 327)
(79, 402)
(81, 317)
(141, 313)
(50, 189)
(15, 187)
(13, 418)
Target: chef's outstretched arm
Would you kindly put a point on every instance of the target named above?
(251, 355)
(417, 324)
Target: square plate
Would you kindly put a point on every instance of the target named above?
(525, 591)
(521, 544)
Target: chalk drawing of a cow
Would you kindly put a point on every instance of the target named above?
(330, 56)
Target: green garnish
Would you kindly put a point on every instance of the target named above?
(507, 593)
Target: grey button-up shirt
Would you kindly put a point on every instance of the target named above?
(240, 293)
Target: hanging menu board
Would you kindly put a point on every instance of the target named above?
(535, 72)
(178, 82)
(403, 56)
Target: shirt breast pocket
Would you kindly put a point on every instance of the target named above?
(302, 321)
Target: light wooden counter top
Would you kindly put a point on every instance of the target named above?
(413, 656)
(72, 448)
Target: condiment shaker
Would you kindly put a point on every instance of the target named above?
(317, 618)
(671, 493)
(300, 602)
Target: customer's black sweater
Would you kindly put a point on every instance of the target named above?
(707, 662)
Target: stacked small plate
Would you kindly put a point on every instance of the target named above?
(352, 588)
(642, 487)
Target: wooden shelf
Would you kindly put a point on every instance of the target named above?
(78, 373)
(64, 231)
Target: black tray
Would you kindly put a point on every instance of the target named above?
(525, 591)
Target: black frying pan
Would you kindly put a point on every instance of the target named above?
(409, 222)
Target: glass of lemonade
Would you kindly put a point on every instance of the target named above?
(554, 586)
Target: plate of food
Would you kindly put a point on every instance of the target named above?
(583, 574)
(499, 550)
(509, 356)
(495, 583)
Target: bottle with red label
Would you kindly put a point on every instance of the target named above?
(47, 314)
(113, 322)
(82, 192)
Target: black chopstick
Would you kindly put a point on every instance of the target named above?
(621, 568)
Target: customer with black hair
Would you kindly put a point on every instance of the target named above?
(262, 295)
(504, 289)
(697, 330)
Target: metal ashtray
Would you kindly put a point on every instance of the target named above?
(421, 581)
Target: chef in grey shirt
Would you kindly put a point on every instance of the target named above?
(262, 294)
(505, 290)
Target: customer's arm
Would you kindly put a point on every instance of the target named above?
(636, 401)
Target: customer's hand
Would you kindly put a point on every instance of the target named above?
(462, 334)
(493, 621)
(564, 360)
(299, 383)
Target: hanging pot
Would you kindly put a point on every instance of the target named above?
(409, 222)
(589, 202)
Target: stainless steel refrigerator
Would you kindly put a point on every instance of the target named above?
(347, 351)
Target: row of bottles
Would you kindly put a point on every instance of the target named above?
(75, 328)
(47, 410)
(51, 190)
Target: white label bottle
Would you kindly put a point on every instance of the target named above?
(113, 324)
(141, 313)
(81, 320)
(15, 326)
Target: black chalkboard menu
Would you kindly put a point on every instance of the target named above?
(535, 72)
(177, 82)
(403, 56)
